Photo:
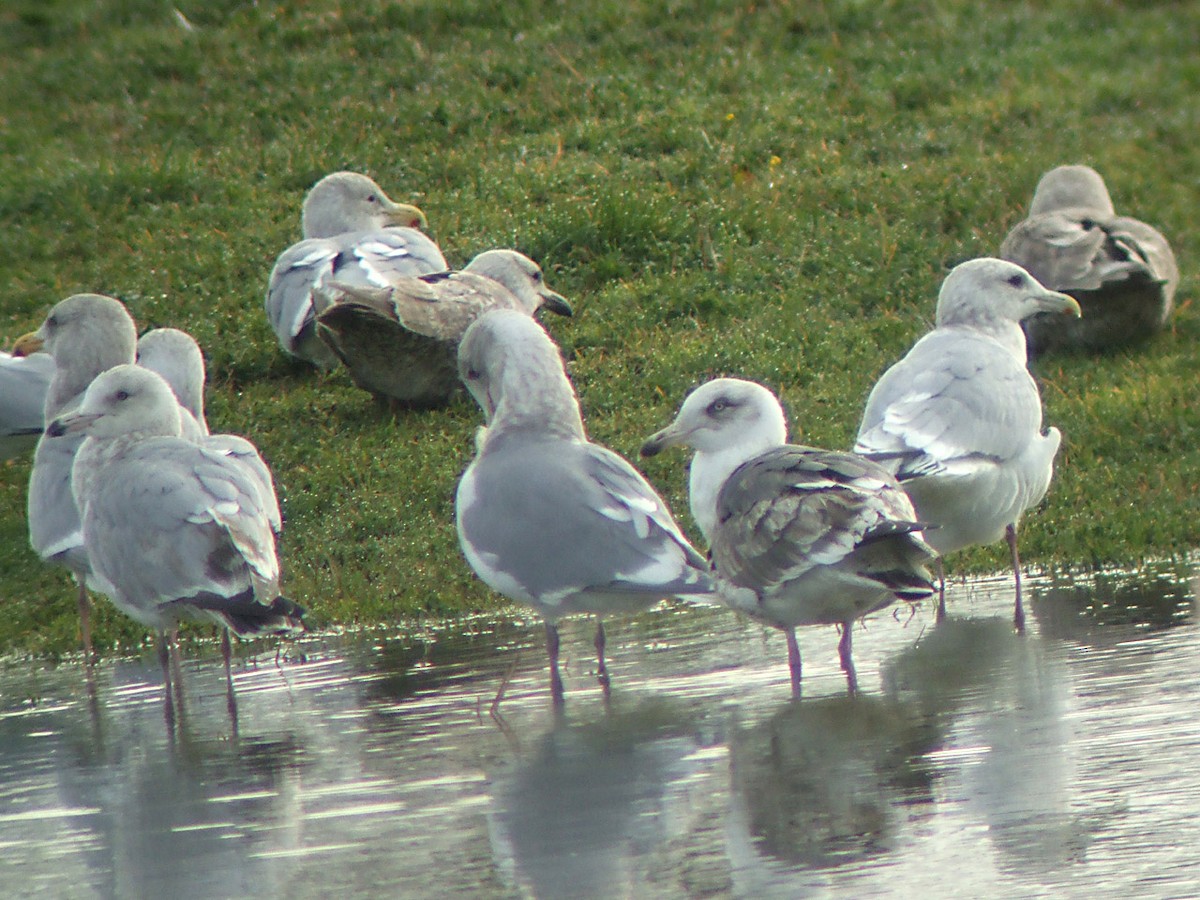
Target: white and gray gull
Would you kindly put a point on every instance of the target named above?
(85, 334)
(1121, 270)
(172, 529)
(959, 418)
(24, 381)
(798, 535)
(546, 517)
(353, 232)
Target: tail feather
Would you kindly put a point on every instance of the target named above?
(247, 616)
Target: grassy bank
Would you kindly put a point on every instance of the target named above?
(773, 191)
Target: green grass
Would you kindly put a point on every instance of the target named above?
(768, 190)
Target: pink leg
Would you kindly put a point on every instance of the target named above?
(941, 610)
(844, 653)
(1010, 535)
(230, 697)
(793, 660)
(602, 670)
(85, 621)
(556, 684)
(164, 660)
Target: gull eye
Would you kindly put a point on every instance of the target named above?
(537, 276)
(718, 406)
(473, 375)
(1016, 280)
(371, 198)
(121, 395)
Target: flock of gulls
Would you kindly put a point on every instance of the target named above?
(132, 494)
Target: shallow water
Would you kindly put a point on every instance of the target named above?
(976, 762)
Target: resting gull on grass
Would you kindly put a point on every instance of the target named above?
(24, 381)
(959, 419)
(177, 358)
(173, 530)
(85, 334)
(1121, 271)
(798, 536)
(400, 341)
(544, 516)
(352, 232)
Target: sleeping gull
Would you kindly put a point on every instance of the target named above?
(544, 516)
(354, 232)
(960, 418)
(1121, 271)
(24, 381)
(85, 334)
(173, 530)
(798, 536)
(400, 342)
(177, 358)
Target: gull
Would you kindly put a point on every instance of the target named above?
(24, 380)
(400, 342)
(176, 357)
(352, 231)
(959, 419)
(798, 535)
(546, 517)
(85, 334)
(172, 529)
(1121, 271)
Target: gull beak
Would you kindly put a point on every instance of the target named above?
(406, 216)
(556, 303)
(671, 436)
(71, 423)
(27, 344)
(1054, 302)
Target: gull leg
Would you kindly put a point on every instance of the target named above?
(556, 684)
(793, 660)
(844, 653)
(941, 609)
(230, 697)
(602, 669)
(85, 621)
(164, 660)
(1010, 535)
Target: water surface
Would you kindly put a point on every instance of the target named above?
(975, 762)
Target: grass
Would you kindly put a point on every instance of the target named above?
(768, 190)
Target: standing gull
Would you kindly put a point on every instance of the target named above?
(173, 530)
(544, 516)
(400, 342)
(85, 334)
(24, 381)
(352, 231)
(959, 419)
(176, 357)
(799, 536)
(1121, 271)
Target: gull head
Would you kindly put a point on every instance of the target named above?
(515, 373)
(522, 276)
(348, 201)
(1072, 187)
(84, 329)
(126, 399)
(986, 293)
(721, 415)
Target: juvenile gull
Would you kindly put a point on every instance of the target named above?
(799, 536)
(24, 381)
(177, 358)
(544, 516)
(400, 341)
(1121, 271)
(959, 419)
(352, 231)
(85, 334)
(173, 530)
